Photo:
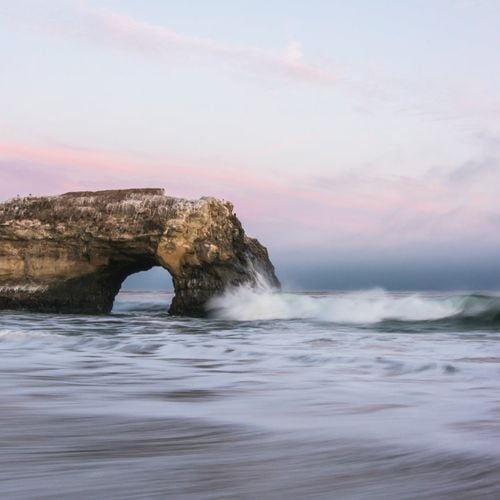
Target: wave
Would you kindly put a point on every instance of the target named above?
(362, 307)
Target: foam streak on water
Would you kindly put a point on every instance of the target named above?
(278, 395)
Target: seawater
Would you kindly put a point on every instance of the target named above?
(277, 395)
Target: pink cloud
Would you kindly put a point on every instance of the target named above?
(463, 98)
(123, 31)
(294, 211)
(79, 19)
(198, 179)
(60, 156)
(106, 27)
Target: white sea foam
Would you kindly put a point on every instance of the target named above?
(370, 306)
(13, 335)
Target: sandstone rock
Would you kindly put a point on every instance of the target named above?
(71, 253)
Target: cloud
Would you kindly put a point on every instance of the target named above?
(123, 31)
(476, 170)
(89, 167)
(439, 207)
(293, 52)
(107, 27)
(449, 100)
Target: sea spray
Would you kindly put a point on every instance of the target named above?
(233, 303)
(261, 281)
(247, 303)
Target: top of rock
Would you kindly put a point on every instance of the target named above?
(134, 211)
(116, 193)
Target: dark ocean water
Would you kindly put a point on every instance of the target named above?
(355, 395)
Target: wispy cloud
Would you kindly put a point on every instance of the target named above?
(82, 20)
(106, 27)
(442, 207)
(91, 168)
(123, 31)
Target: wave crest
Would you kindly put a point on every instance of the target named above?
(362, 307)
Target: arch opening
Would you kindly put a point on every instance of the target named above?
(145, 290)
(157, 278)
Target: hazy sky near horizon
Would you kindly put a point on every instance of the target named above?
(359, 138)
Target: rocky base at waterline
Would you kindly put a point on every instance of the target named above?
(71, 253)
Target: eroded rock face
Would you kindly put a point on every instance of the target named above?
(71, 253)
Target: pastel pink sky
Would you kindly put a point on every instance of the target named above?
(332, 128)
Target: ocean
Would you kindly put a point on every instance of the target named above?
(345, 395)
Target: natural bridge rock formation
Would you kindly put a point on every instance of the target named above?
(71, 253)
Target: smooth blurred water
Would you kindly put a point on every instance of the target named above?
(398, 399)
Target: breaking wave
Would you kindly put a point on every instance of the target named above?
(362, 307)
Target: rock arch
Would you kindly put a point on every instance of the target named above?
(71, 253)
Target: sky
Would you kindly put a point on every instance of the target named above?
(359, 141)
